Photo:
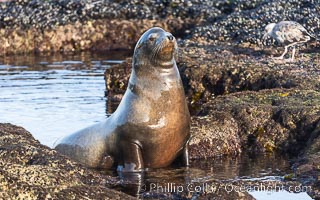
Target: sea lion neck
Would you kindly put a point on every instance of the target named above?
(155, 73)
(152, 81)
(152, 65)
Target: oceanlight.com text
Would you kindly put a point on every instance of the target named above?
(215, 187)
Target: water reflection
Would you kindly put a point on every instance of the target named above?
(283, 195)
(247, 167)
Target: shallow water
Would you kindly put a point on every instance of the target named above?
(53, 96)
(206, 175)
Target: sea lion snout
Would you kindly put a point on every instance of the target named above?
(170, 37)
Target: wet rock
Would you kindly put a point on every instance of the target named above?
(29, 170)
(224, 69)
(116, 80)
(314, 142)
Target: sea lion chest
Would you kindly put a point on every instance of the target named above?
(154, 114)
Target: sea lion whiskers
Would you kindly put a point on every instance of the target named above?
(155, 51)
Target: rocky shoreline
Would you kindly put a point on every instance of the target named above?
(69, 25)
(240, 99)
(30, 170)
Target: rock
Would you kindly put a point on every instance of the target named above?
(95, 35)
(308, 166)
(214, 135)
(314, 143)
(29, 170)
(265, 121)
(116, 79)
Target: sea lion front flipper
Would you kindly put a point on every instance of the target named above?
(132, 160)
(185, 155)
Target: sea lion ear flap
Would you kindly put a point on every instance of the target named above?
(139, 45)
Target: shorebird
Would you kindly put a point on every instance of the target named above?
(288, 33)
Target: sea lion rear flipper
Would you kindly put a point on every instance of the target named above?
(132, 160)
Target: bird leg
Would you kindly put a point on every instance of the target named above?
(284, 53)
(293, 52)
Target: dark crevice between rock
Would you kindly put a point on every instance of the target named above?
(297, 142)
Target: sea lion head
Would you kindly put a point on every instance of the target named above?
(155, 47)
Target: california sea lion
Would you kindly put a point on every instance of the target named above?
(151, 126)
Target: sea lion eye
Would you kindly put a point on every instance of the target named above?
(152, 37)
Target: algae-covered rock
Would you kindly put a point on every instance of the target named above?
(264, 121)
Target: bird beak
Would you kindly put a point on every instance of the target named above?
(264, 38)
